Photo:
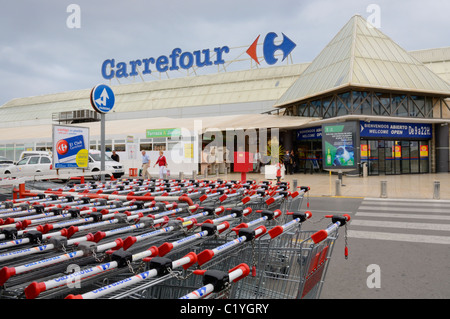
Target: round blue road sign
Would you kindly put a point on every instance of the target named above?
(102, 98)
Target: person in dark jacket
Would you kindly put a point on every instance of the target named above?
(115, 156)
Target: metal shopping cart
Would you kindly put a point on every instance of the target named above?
(287, 263)
(155, 249)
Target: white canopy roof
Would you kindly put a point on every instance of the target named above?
(138, 127)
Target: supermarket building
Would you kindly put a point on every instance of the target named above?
(392, 107)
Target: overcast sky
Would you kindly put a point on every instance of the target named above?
(40, 54)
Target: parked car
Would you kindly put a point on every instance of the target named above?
(34, 153)
(5, 162)
(30, 165)
(112, 167)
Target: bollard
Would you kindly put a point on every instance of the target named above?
(437, 190)
(340, 175)
(338, 187)
(217, 171)
(294, 185)
(180, 176)
(383, 189)
(194, 174)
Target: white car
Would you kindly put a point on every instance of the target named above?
(4, 162)
(112, 167)
(34, 153)
(41, 164)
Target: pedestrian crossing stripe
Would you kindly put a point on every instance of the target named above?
(427, 239)
(403, 215)
(404, 225)
(409, 209)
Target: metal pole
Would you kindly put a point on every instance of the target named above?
(437, 190)
(102, 146)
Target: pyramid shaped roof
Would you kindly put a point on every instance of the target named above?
(362, 56)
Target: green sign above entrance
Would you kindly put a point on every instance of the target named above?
(166, 132)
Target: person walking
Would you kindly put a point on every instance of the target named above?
(286, 162)
(145, 165)
(293, 162)
(162, 162)
(279, 166)
(115, 156)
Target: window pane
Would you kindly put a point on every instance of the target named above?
(405, 157)
(424, 156)
(45, 160)
(373, 158)
(34, 160)
(414, 151)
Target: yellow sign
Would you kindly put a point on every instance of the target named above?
(188, 150)
(398, 151)
(82, 158)
(423, 150)
(363, 150)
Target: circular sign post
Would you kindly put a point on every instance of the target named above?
(102, 100)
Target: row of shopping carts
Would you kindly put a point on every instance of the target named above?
(162, 239)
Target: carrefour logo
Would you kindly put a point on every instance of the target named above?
(62, 147)
(179, 59)
(270, 48)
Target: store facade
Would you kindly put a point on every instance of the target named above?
(376, 104)
(387, 148)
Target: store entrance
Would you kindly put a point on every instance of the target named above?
(390, 157)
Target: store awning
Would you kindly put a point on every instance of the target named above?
(138, 127)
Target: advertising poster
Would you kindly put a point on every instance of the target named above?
(70, 146)
(338, 145)
(423, 151)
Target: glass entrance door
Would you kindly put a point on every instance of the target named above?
(424, 157)
(414, 156)
(389, 157)
(373, 158)
(397, 157)
(405, 157)
(381, 157)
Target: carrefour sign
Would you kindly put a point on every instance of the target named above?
(179, 59)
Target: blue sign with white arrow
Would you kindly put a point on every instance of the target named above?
(102, 98)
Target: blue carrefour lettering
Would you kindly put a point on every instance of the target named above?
(219, 52)
(173, 57)
(111, 64)
(134, 65)
(121, 71)
(186, 60)
(162, 63)
(230, 243)
(111, 285)
(176, 60)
